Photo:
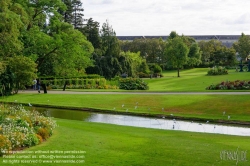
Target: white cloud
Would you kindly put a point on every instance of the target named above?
(158, 17)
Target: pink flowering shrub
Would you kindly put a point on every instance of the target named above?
(231, 85)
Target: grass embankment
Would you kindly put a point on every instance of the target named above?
(191, 106)
(108, 145)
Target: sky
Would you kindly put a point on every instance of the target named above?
(160, 17)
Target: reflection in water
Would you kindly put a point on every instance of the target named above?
(146, 122)
(167, 124)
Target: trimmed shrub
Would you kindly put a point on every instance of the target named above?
(132, 84)
(217, 71)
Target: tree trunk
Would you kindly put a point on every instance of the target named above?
(178, 72)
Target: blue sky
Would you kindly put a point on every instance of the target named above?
(160, 17)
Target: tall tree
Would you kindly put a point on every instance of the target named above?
(110, 43)
(91, 31)
(78, 21)
(68, 13)
(176, 52)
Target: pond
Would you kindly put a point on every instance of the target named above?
(147, 122)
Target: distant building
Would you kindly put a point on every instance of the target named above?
(226, 40)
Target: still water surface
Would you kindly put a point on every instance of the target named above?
(156, 123)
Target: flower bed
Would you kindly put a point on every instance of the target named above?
(231, 85)
(20, 128)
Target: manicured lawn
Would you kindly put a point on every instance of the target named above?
(196, 106)
(192, 80)
(119, 145)
(108, 145)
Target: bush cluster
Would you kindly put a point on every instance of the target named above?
(217, 71)
(231, 85)
(132, 84)
(20, 128)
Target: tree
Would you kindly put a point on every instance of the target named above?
(10, 26)
(24, 71)
(91, 31)
(77, 14)
(176, 53)
(68, 13)
(110, 43)
(212, 52)
(242, 47)
(173, 35)
(194, 55)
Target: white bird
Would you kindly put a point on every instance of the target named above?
(163, 117)
(30, 105)
(224, 112)
(228, 117)
(171, 114)
(207, 122)
(122, 105)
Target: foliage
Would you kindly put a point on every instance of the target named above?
(231, 85)
(81, 83)
(176, 53)
(91, 31)
(7, 82)
(242, 47)
(217, 70)
(36, 29)
(150, 49)
(156, 69)
(215, 53)
(132, 84)
(23, 69)
(20, 128)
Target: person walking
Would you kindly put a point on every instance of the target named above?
(38, 85)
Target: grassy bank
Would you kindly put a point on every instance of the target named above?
(195, 106)
(108, 145)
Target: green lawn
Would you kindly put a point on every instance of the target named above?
(196, 106)
(108, 145)
(192, 80)
(119, 145)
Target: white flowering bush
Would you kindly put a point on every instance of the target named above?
(20, 128)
